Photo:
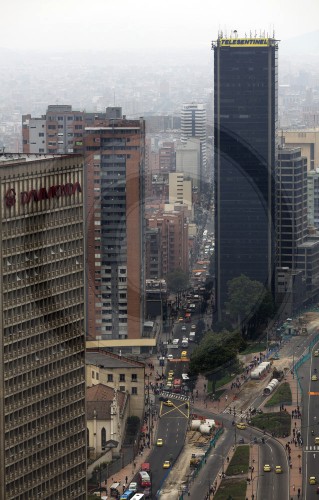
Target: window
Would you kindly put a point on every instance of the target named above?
(93, 374)
(110, 377)
(122, 388)
(134, 391)
(134, 377)
(103, 437)
(122, 377)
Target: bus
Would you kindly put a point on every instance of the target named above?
(127, 495)
(138, 496)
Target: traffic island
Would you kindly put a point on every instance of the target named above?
(278, 424)
(234, 482)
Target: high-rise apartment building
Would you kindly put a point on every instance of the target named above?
(114, 156)
(42, 341)
(245, 131)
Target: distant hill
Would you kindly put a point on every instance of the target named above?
(302, 45)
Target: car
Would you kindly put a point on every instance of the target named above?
(184, 354)
(241, 426)
(316, 353)
(171, 373)
(169, 384)
(314, 378)
(159, 442)
(278, 469)
(175, 341)
(180, 319)
(312, 480)
(317, 440)
(185, 376)
(166, 464)
(132, 486)
(241, 441)
(267, 468)
(183, 328)
(167, 402)
(170, 356)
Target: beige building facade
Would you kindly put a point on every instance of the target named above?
(119, 373)
(307, 140)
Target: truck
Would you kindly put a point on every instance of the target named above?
(177, 383)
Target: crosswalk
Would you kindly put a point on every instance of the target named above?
(312, 448)
(173, 395)
(237, 413)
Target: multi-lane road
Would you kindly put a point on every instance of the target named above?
(310, 424)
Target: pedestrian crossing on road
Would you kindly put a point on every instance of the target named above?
(237, 413)
(172, 395)
(312, 448)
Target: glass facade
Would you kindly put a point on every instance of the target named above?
(245, 123)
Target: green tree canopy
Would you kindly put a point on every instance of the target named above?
(216, 350)
(177, 280)
(244, 298)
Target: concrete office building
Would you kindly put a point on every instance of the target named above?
(193, 124)
(42, 369)
(313, 198)
(245, 133)
(298, 245)
(188, 160)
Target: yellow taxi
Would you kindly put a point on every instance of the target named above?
(171, 373)
(241, 426)
(267, 468)
(159, 442)
(316, 353)
(278, 469)
(317, 440)
(312, 480)
(168, 403)
(314, 378)
(166, 464)
(184, 354)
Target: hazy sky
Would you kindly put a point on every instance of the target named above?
(148, 24)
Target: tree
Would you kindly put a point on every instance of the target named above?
(216, 355)
(244, 299)
(177, 280)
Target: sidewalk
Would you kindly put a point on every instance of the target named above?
(295, 477)
(126, 475)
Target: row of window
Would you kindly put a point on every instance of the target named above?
(110, 377)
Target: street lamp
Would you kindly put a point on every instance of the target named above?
(293, 361)
(252, 485)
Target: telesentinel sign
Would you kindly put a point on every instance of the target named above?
(243, 42)
(43, 193)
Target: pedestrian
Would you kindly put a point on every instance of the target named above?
(126, 479)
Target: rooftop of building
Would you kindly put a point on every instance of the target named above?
(9, 158)
(99, 400)
(107, 359)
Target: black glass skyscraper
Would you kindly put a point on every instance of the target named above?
(245, 132)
